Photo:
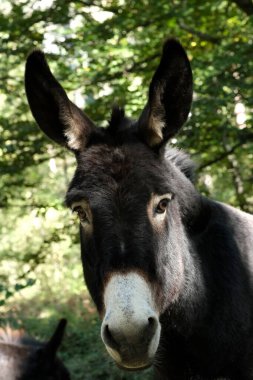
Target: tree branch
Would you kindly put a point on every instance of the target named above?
(101, 78)
(201, 35)
(221, 156)
(244, 137)
(245, 5)
(236, 175)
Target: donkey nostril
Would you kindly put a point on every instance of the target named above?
(107, 332)
(151, 321)
(108, 338)
(152, 324)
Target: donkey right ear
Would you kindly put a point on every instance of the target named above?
(170, 96)
(59, 118)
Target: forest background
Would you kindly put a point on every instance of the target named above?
(104, 52)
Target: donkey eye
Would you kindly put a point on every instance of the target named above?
(162, 206)
(82, 214)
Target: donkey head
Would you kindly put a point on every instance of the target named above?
(42, 363)
(132, 199)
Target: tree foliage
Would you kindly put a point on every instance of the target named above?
(105, 52)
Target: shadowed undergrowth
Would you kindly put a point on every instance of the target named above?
(82, 350)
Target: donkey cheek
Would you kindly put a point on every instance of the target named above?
(87, 229)
(171, 279)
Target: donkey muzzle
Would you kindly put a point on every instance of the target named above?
(130, 329)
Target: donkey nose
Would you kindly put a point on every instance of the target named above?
(117, 335)
(130, 328)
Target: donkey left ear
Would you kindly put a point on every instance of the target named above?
(170, 96)
(51, 347)
(59, 118)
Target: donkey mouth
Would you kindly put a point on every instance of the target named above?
(133, 369)
(132, 363)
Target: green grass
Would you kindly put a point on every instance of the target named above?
(37, 309)
(58, 292)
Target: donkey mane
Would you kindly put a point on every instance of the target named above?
(183, 161)
(11, 337)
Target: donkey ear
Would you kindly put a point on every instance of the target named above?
(54, 343)
(170, 96)
(56, 115)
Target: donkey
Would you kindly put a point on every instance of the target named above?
(23, 358)
(170, 271)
